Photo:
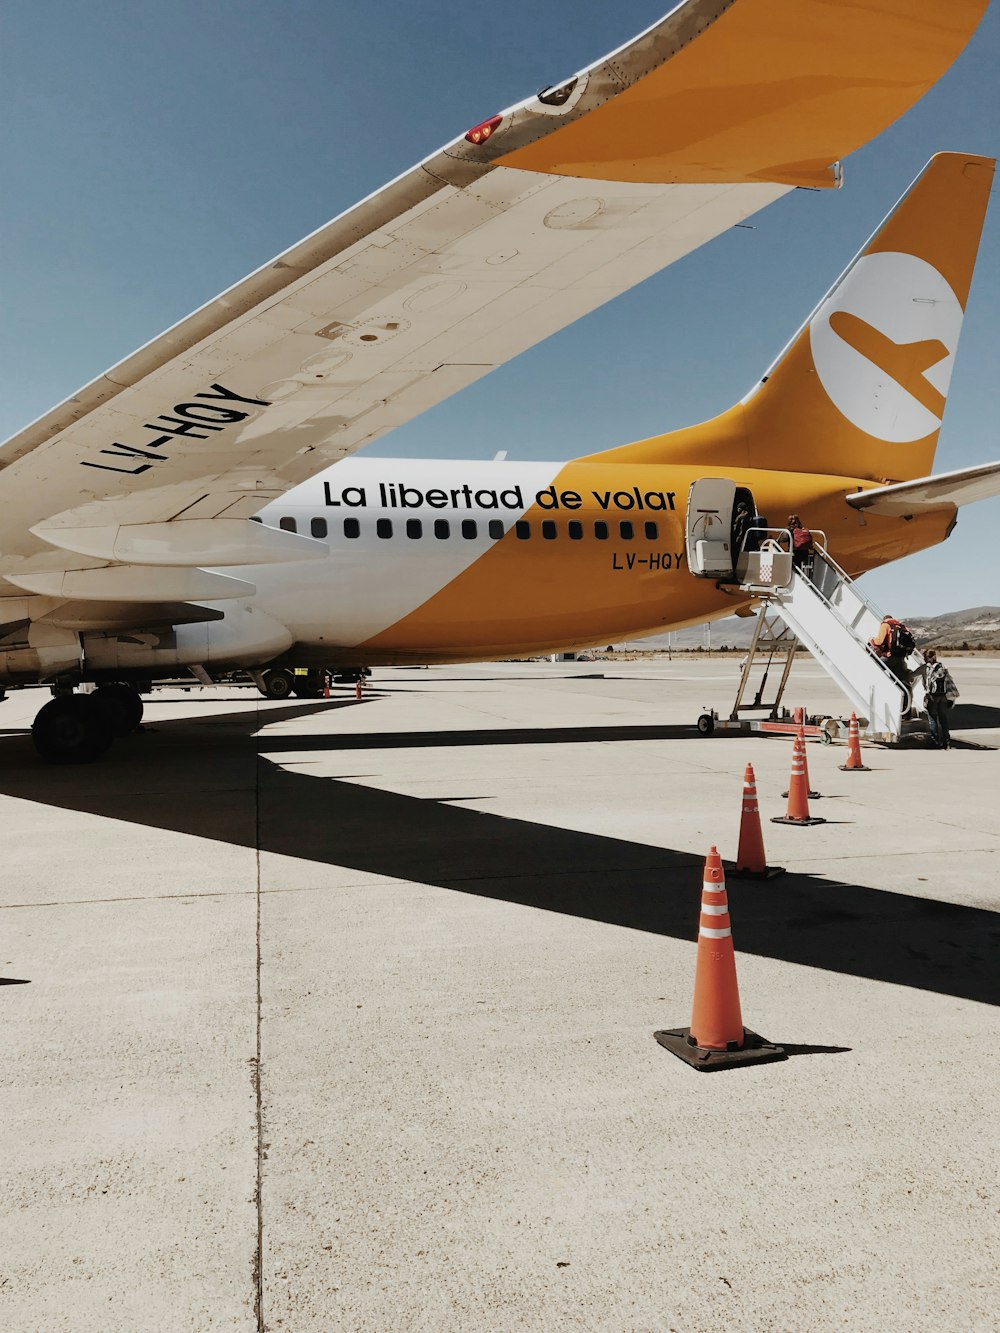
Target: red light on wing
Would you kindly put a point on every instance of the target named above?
(480, 133)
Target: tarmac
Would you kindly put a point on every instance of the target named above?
(339, 1016)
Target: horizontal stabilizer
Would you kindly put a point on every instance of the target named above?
(912, 497)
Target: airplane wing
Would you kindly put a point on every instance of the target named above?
(947, 488)
(513, 230)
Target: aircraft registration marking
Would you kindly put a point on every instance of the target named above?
(662, 560)
(192, 420)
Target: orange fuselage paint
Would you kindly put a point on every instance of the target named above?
(524, 595)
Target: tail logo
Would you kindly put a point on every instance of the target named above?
(883, 344)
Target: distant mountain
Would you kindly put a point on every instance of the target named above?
(979, 627)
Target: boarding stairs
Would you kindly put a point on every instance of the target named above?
(823, 609)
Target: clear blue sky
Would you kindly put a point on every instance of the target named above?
(153, 153)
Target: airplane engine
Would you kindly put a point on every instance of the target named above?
(246, 636)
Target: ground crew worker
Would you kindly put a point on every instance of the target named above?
(940, 695)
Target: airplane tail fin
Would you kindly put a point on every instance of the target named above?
(860, 390)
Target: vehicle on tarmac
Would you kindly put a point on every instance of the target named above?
(196, 506)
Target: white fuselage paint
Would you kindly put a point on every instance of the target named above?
(370, 582)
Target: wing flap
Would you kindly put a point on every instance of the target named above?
(112, 616)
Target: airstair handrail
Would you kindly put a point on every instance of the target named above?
(860, 592)
(779, 538)
(903, 688)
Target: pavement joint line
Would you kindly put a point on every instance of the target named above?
(258, 1264)
(895, 855)
(222, 893)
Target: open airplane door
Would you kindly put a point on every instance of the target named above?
(709, 528)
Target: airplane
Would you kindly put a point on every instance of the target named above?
(196, 507)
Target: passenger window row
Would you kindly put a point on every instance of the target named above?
(469, 528)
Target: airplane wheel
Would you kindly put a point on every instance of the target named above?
(309, 687)
(122, 707)
(72, 729)
(277, 684)
(706, 724)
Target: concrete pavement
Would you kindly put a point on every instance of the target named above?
(340, 1016)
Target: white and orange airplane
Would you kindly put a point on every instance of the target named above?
(182, 510)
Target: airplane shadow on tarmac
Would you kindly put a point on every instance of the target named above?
(216, 762)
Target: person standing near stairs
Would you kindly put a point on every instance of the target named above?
(941, 693)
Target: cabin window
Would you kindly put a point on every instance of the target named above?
(548, 530)
(352, 528)
(414, 528)
(601, 530)
(523, 529)
(626, 530)
(442, 529)
(496, 529)
(470, 531)
(575, 529)
(317, 527)
(383, 527)
(288, 524)
(652, 532)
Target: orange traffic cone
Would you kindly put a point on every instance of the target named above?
(326, 684)
(716, 1037)
(358, 690)
(750, 860)
(797, 811)
(813, 795)
(855, 764)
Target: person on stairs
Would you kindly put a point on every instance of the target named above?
(803, 546)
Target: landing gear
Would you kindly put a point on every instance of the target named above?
(122, 707)
(276, 684)
(72, 729)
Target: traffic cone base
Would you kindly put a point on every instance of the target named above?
(813, 795)
(769, 872)
(801, 823)
(754, 1051)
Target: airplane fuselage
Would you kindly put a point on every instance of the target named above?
(452, 560)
